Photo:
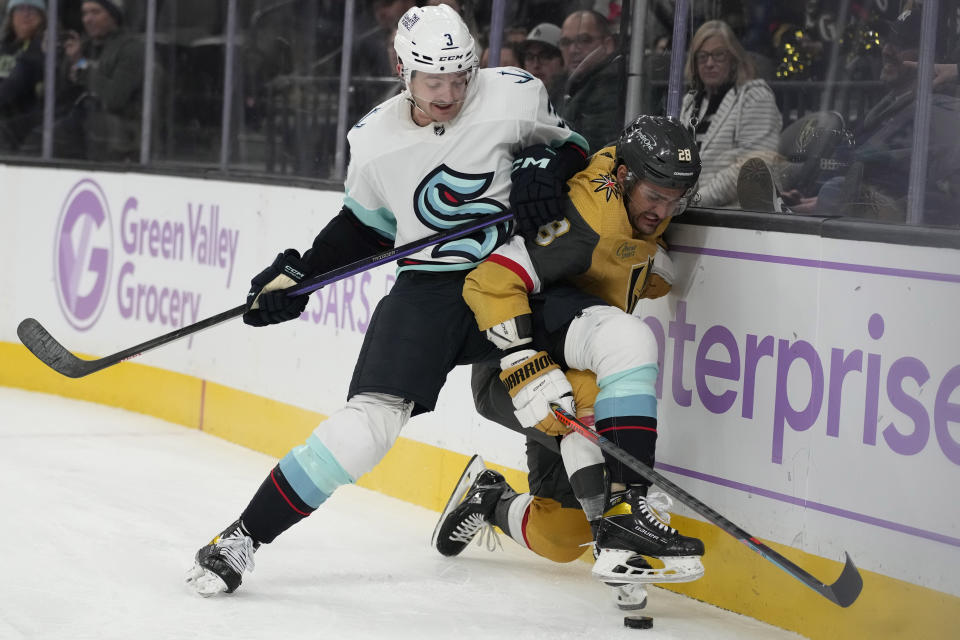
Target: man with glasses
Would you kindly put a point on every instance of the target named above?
(570, 292)
(540, 55)
(595, 77)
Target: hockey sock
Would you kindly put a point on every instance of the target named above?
(585, 466)
(274, 508)
(502, 510)
(301, 482)
(626, 414)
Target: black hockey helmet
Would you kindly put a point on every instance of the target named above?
(661, 150)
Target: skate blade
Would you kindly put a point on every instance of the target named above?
(474, 468)
(611, 566)
(204, 582)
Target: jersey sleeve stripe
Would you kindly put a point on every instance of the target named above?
(515, 267)
(380, 220)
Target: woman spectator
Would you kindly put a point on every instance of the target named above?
(21, 70)
(733, 112)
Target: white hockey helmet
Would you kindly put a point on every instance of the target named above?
(434, 39)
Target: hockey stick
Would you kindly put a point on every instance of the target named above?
(843, 592)
(53, 354)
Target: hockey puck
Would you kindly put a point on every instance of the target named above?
(638, 622)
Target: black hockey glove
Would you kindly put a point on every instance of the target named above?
(267, 301)
(539, 177)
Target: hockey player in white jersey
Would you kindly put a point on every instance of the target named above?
(430, 159)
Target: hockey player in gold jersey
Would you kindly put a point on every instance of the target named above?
(565, 296)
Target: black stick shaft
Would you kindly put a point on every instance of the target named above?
(49, 351)
(312, 284)
(843, 592)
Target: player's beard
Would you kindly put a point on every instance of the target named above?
(639, 218)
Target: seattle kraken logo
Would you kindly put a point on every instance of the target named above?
(446, 199)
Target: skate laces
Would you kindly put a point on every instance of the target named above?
(658, 505)
(488, 537)
(473, 524)
(237, 551)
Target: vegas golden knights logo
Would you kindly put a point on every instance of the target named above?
(638, 282)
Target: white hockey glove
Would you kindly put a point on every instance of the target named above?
(661, 277)
(534, 380)
(512, 333)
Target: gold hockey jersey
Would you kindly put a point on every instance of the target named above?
(593, 247)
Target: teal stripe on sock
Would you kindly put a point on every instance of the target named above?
(313, 472)
(628, 393)
(626, 406)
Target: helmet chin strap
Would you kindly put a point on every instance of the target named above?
(439, 128)
(413, 100)
(416, 105)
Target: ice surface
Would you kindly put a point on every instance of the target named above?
(103, 510)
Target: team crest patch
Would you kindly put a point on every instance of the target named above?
(608, 184)
(638, 282)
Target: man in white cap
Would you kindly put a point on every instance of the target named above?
(540, 55)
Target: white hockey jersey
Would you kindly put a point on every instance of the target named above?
(408, 182)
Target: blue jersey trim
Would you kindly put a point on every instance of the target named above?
(382, 219)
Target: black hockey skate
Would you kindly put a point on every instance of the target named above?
(219, 565)
(461, 521)
(639, 526)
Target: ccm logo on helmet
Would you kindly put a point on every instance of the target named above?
(452, 58)
(527, 371)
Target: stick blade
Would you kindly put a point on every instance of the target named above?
(50, 352)
(848, 586)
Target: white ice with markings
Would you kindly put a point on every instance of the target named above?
(103, 510)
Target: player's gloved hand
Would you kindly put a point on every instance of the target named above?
(661, 277)
(539, 188)
(534, 380)
(267, 302)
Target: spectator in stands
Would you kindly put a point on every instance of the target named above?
(387, 12)
(877, 179)
(595, 77)
(733, 112)
(661, 45)
(372, 39)
(942, 73)
(466, 10)
(508, 56)
(540, 55)
(105, 67)
(21, 71)
(515, 35)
